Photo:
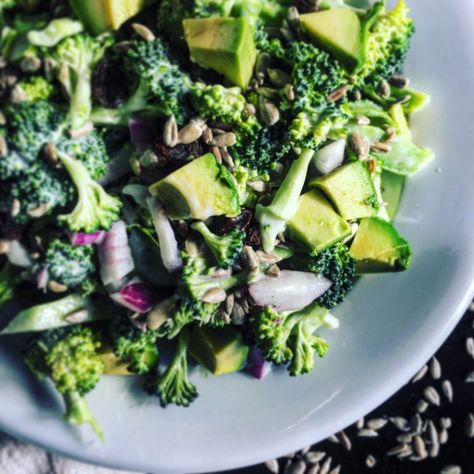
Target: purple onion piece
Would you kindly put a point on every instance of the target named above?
(136, 296)
(42, 278)
(81, 238)
(143, 130)
(257, 366)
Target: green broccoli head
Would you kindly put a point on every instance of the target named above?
(68, 357)
(36, 88)
(9, 279)
(338, 266)
(72, 266)
(76, 57)
(135, 347)
(289, 337)
(95, 209)
(173, 385)
(225, 248)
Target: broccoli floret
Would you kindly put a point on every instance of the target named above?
(289, 337)
(72, 266)
(95, 209)
(173, 386)
(225, 248)
(68, 356)
(9, 279)
(7, 5)
(162, 86)
(76, 57)
(273, 218)
(386, 43)
(36, 88)
(135, 347)
(338, 266)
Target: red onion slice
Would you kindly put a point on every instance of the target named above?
(136, 296)
(81, 238)
(257, 366)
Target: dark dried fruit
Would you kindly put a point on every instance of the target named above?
(228, 224)
(306, 6)
(180, 154)
(253, 237)
(110, 84)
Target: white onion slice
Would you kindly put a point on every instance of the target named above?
(168, 244)
(18, 255)
(291, 291)
(115, 256)
(330, 157)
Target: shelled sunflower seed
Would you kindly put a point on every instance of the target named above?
(435, 368)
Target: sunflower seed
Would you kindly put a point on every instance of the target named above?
(16, 207)
(432, 396)
(345, 441)
(416, 424)
(56, 287)
(435, 368)
(360, 423)
(333, 439)
(17, 95)
(376, 423)
(305, 450)
(190, 133)
(207, 136)
(30, 64)
(420, 448)
(314, 457)
(399, 81)
(400, 423)
(385, 89)
(313, 469)
(405, 438)
(229, 303)
(77, 317)
(3, 146)
(273, 466)
(278, 77)
(447, 388)
(251, 257)
(420, 374)
(398, 449)
(4, 246)
(39, 211)
(227, 157)
(336, 470)
(3, 120)
(296, 467)
(290, 92)
(422, 406)
(266, 258)
(362, 120)
(470, 346)
(370, 461)
(366, 433)
(170, 132)
(432, 433)
(443, 436)
(269, 113)
(446, 423)
(338, 94)
(469, 377)
(359, 144)
(214, 296)
(261, 65)
(143, 31)
(381, 147)
(433, 450)
(451, 469)
(224, 140)
(326, 466)
(258, 186)
(273, 271)
(238, 315)
(469, 426)
(217, 153)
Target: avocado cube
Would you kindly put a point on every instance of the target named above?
(220, 350)
(201, 189)
(223, 44)
(392, 192)
(351, 189)
(337, 31)
(378, 247)
(316, 226)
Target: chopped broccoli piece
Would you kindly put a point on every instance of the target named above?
(72, 266)
(9, 279)
(289, 337)
(77, 57)
(95, 209)
(68, 356)
(36, 88)
(173, 385)
(273, 218)
(134, 346)
(338, 266)
(226, 248)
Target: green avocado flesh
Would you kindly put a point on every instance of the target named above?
(201, 189)
(351, 189)
(223, 44)
(220, 350)
(392, 192)
(102, 15)
(338, 31)
(316, 226)
(378, 248)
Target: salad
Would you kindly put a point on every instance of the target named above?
(195, 182)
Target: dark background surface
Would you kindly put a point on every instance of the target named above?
(456, 363)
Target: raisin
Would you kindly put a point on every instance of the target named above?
(180, 154)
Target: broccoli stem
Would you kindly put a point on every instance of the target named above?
(273, 218)
(78, 412)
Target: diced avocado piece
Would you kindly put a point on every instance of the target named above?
(351, 189)
(223, 44)
(199, 190)
(221, 350)
(102, 15)
(382, 213)
(316, 226)
(392, 191)
(378, 247)
(337, 31)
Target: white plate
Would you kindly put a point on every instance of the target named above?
(391, 324)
